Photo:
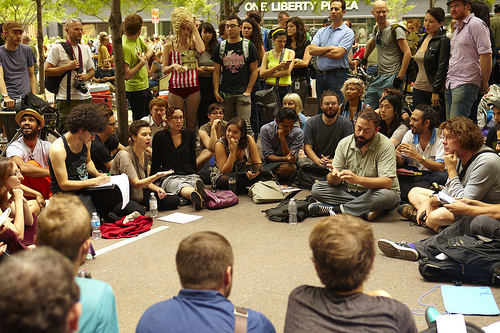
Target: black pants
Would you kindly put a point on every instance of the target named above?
(100, 200)
(139, 102)
(242, 182)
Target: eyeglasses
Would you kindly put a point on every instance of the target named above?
(378, 38)
(16, 173)
(232, 26)
(92, 134)
(217, 113)
(73, 20)
(177, 118)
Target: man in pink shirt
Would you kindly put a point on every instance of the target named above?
(470, 62)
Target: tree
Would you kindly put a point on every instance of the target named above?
(24, 12)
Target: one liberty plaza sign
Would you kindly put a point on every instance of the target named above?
(296, 6)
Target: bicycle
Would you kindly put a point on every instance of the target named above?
(361, 74)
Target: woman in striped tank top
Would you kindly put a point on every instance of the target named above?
(179, 58)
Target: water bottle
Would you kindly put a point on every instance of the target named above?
(292, 212)
(232, 185)
(95, 221)
(153, 206)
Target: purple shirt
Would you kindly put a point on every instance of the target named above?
(468, 42)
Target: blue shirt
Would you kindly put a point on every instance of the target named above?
(271, 144)
(342, 36)
(198, 311)
(98, 307)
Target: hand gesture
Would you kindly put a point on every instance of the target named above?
(191, 25)
(40, 200)
(17, 194)
(285, 64)
(161, 193)
(281, 133)
(291, 157)
(325, 160)
(334, 170)
(73, 64)
(458, 207)
(164, 173)
(251, 175)
(409, 151)
(233, 145)
(218, 97)
(425, 207)
(102, 179)
(179, 68)
(348, 176)
(216, 124)
(450, 161)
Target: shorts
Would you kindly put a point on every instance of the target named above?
(175, 183)
(184, 92)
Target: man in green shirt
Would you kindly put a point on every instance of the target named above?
(136, 74)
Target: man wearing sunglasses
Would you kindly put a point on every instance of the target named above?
(390, 45)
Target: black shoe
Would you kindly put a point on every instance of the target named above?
(320, 209)
(111, 218)
(408, 212)
(398, 250)
(200, 188)
(197, 200)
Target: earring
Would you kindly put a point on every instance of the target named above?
(183, 127)
(168, 128)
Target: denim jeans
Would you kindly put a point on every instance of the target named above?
(333, 82)
(459, 101)
(376, 89)
(238, 105)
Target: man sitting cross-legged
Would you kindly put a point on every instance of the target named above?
(362, 181)
(343, 252)
(473, 173)
(205, 266)
(65, 227)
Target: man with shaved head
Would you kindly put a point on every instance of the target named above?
(390, 46)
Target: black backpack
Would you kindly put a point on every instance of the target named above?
(280, 212)
(308, 174)
(52, 82)
(469, 259)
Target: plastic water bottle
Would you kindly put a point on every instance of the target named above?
(153, 206)
(95, 221)
(292, 212)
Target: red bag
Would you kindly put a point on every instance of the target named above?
(220, 199)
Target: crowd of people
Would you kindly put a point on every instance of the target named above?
(361, 156)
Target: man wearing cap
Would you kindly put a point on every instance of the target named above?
(332, 44)
(82, 70)
(30, 153)
(470, 62)
(17, 73)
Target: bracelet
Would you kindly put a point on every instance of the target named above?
(423, 160)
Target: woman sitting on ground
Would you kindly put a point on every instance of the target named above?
(174, 149)
(392, 125)
(19, 228)
(209, 134)
(353, 91)
(134, 162)
(294, 101)
(233, 154)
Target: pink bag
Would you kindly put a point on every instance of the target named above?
(220, 199)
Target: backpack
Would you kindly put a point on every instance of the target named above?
(308, 174)
(246, 49)
(412, 39)
(468, 259)
(52, 82)
(280, 212)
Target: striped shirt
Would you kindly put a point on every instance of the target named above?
(189, 78)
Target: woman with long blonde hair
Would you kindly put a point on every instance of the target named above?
(179, 58)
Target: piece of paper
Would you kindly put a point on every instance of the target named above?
(492, 328)
(451, 323)
(288, 189)
(469, 300)
(180, 218)
(123, 184)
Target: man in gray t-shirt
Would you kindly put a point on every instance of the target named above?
(394, 54)
(17, 74)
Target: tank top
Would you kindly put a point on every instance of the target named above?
(271, 62)
(76, 166)
(189, 78)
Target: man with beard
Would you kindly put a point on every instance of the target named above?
(362, 181)
(473, 173)
(106, 74)
(324, 132)
(205, 265)
(32, 154)
(421, 150)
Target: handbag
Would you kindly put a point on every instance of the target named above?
(220, 199)
(268, 100)
(264, 192)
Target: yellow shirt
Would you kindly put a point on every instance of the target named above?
(271, 62)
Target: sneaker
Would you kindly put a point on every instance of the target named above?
(398, 250)
(408, 212)
(320, 209)
(370, 216)
(183, 201)
(200, 188)
(197, 200)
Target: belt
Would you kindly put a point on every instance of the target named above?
(335, 70)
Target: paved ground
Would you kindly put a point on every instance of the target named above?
(271, 259)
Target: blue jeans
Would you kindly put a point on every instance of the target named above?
(376, 89)
(333, 82)
(459, 101)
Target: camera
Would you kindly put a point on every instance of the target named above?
(80, 85)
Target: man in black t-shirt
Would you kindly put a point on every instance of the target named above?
(106, 74)
(105, 145)
(239, 68)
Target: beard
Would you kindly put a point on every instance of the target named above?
(331, 114)
(361, 141)
(29, 133)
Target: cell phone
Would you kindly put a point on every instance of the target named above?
(4, 216)
(445, 198)
(293, 152)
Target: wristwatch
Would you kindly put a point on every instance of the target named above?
(5, 95)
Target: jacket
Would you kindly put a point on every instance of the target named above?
(436, 59)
